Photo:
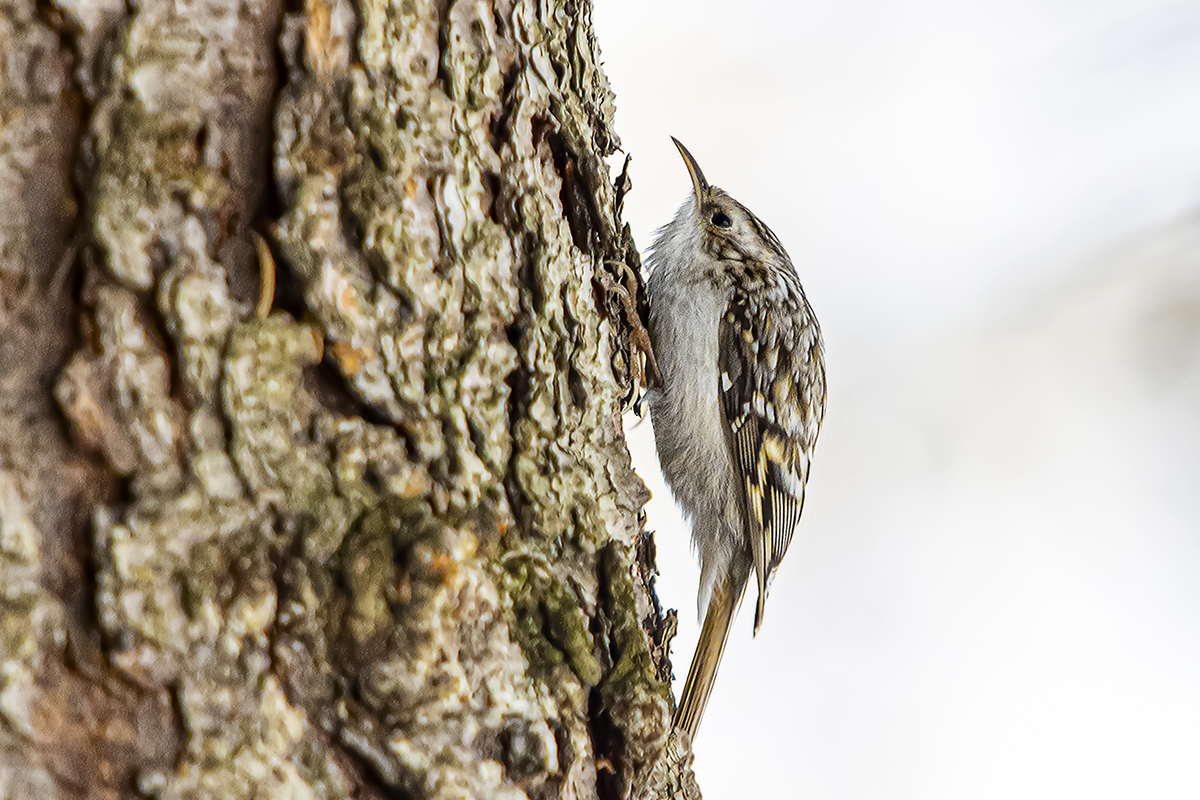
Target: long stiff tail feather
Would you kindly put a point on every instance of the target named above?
(703, 673)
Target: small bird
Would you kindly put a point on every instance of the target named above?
(739, 405)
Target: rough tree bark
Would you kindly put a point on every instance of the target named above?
(372, 532)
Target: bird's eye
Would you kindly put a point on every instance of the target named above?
(722, 220)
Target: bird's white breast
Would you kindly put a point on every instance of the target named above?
(688, 426)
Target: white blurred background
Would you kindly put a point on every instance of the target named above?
(994, 207)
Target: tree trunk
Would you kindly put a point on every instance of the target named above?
(316, 329)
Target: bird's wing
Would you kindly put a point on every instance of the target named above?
(771, 378)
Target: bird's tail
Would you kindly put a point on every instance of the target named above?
(703, 673)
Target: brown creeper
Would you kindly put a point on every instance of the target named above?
(739, 407)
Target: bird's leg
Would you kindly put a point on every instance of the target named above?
(638, 335)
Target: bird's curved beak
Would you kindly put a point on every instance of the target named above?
(699, 185)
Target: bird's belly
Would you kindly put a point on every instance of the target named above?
(689, 437)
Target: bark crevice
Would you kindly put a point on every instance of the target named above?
(377, 536)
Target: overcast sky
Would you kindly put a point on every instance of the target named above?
(995, 211)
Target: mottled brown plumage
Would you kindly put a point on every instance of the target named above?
(737, 414)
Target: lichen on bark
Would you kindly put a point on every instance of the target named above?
(377, 535)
